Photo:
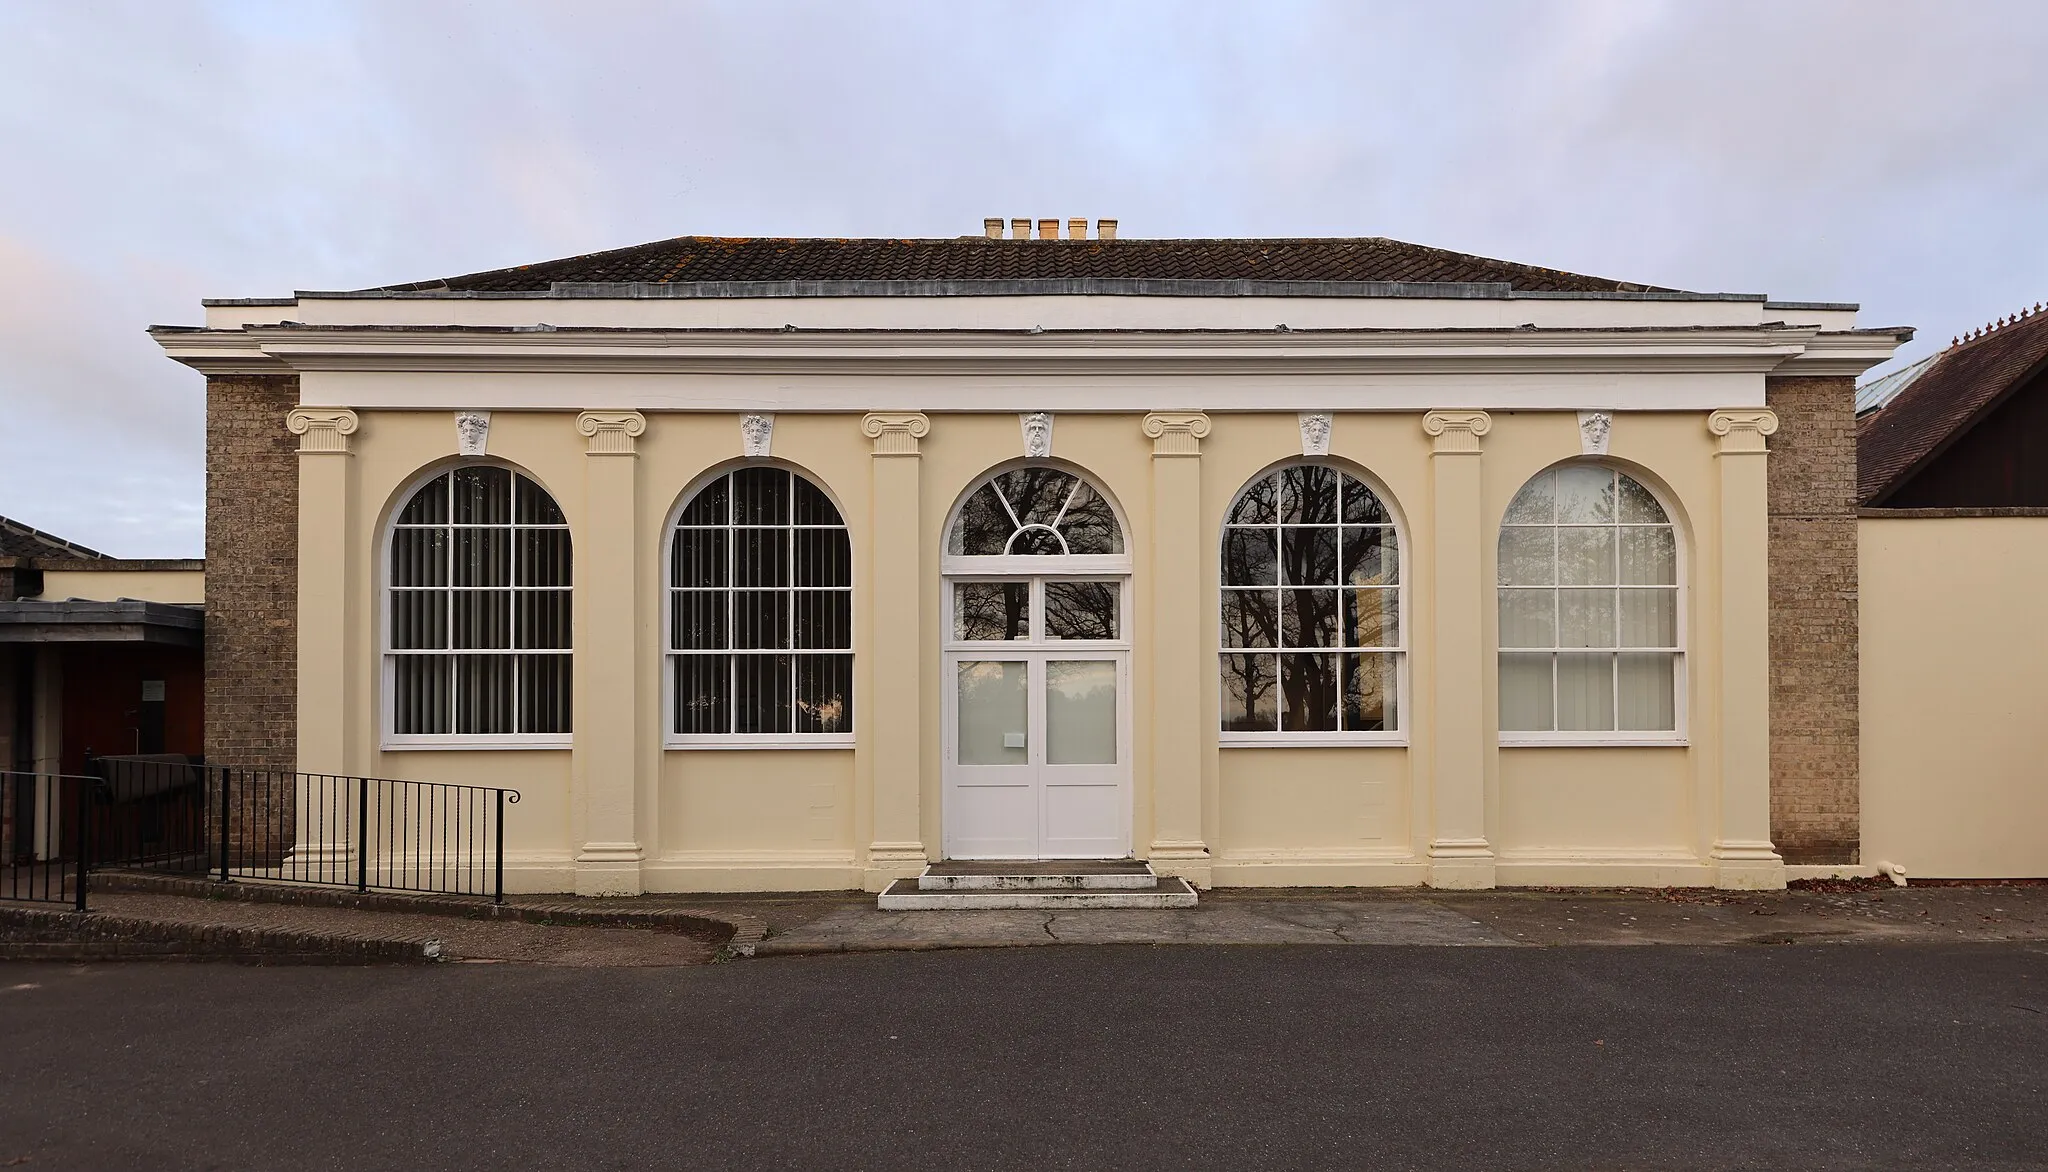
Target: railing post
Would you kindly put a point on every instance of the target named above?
(85, 791)
(224, 836)
(362, 834)
(498, 882)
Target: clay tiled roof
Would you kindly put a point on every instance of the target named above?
(1965, 382)
(976, 258)
(20, 541)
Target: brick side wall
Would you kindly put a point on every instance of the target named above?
(1814, 781)
(252, 557)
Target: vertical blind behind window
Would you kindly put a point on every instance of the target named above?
(761, 609)
(480, 608)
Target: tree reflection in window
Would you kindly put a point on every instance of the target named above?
(1310, 606)
(1035, 512)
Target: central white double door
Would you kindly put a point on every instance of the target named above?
(1038, 744)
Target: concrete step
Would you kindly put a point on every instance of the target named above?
(1060, 875)
(905, 895)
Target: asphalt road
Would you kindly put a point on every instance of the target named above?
(1269, 1057)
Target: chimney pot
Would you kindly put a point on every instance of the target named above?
(1105, 229)
(992, 227)
(1020, 229)
(1077, 228)
(1048, 229)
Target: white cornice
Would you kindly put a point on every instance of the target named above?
(1071, 353)
(1844, 353)
(1644, 368)
(217, 351)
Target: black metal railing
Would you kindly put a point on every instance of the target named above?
(239, 822)
(43, 833)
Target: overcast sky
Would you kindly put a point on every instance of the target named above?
(158, 152)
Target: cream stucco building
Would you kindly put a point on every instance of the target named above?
(778, 564)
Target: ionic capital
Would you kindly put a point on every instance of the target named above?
(1177, 433)
(895, 432)
(1742, 429)
(611, 433)
(322, 429)
(1457, 432)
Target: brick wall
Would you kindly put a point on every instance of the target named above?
(252, 543)
(1814, 781)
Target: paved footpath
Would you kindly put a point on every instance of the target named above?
(1875, 1057)
(1837, 913)
(1845, 913)
(459, 938)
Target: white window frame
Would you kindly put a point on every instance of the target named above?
(1397, 736)
(1035, 640)
(387, 668)
(1035, 570)
(673, 740)
(1068, 565)
(1678, 735)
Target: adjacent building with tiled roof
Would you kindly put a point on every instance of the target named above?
(1970, 431)
(96, 653)
(22, 541)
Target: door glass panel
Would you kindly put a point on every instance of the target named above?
(991, 610)
(1081, 610)
(995, 713)
(1080, 712)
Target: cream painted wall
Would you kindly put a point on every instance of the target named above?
(537, 846)
(187, 586)
(793, 819)
(1593, 829)
(1613, 815)
(795, 794)
(1954, 671)
(1337, 817)
(761, 819)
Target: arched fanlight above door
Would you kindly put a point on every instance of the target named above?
(1035, 512)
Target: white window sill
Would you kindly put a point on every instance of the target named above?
(1592, 741)
(765, 741)
(1278, 740)
(468, 744)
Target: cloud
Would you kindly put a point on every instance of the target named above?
(1869, 150)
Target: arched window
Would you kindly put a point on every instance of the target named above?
(478, 630)
(1311, 608)
(760, 621)
(1589, 623)
(1036, 511)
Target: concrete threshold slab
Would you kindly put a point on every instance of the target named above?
(1061, 875)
